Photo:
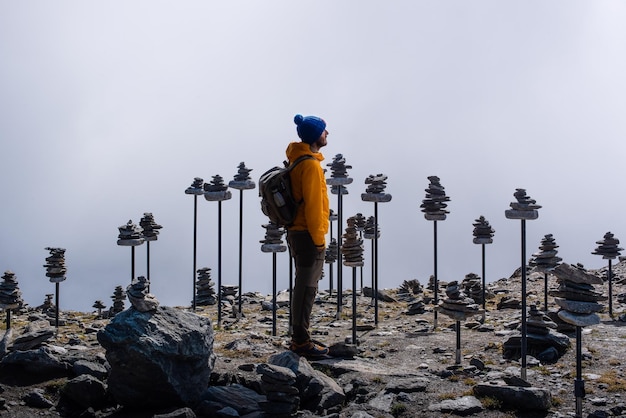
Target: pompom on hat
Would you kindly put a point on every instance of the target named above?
(310, 128)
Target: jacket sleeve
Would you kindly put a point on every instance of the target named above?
(315, 195)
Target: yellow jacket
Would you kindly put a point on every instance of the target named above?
(309, 187)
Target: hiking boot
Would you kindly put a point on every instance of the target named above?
(309, 349)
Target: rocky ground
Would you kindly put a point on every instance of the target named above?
(392, 355)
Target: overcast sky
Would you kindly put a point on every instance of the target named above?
(110, 109)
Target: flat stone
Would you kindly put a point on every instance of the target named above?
(376, 197)
(217, 196)
(580, 320)
(579, 307)
(521, 214)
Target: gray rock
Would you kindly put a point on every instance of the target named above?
(96, 370)
(160, 358)
(516, 397)
(578, 306)
(466, 405)
(236, 396)
(40, 362)
(407, 385)
(579, 320)
(34, 335)
(179, 413)
(37, 399)
(85, 391)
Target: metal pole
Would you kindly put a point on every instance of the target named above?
(132, 263)
(376, 263)
(8, 319)
(354, 338)
(57, 305)
(484, 296)
(523, 342)
(240, 244)
(339, 258)
(436, 283)
(361, 268)
(195, 246)
(274, 295)
(219, 263)
(458, 342)
(148, 263)
(610, 276)
(330, 266)
(579, 383)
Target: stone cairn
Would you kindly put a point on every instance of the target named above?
(196, 187)
(55, 265)
(278, 385)
(339, 171)
(331, 252)
(523, 208)
(483, 232)
(130, 235)
(10, 295)
(48, 305)
(352, 250)
(545, 261)
(576, 296)
(434, 205)
(457, 305)
(369, 230)
(205, 288)
(473, 287)
(150, 229)
(229, 294)
(216, 190)
(99, 305)
(375, 191)
(242, 180)
(140, 297)
(118, 301)
(609, 250)
(542, 343)
(408, 290)
(578, 301)
(273, 241)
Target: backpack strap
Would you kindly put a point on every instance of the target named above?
(297, 161)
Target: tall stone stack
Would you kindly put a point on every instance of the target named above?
(576, 296)
(457, 305)
(216, 190)
(473, 287)
(609, 250)
(273, 241)
(119, 296)
(205, 288)
(10, 294)
(546, 259)
(352, 247)
(370, 231)
(55, 265)
(360, 222)
(483, 232)
(242, 180)
(99, 305)
(434, 205)
(196, 187)
(278, 383)
(331, 252)
(524, 208)
(130, 235)
(140, 297)
(339, 171)
(150, 229)
(375, 190)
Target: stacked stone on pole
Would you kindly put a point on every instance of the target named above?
(196, 189)
(434, 208)
(55, 271)
(10, 295)
(205, 288)
(338, 180)
(578, 301)
(524, 208)
(375, 192)
(130, 235)
(273, 243)
(352, 251)
(472, 286)
(99, 305)
(241, 182)
(458, 306)
(217, 191)
(483, 232)
(609, 250)
(545, 261)
(150, 229)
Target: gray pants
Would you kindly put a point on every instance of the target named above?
(309, 265)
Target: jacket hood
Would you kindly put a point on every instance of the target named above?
(296, 150)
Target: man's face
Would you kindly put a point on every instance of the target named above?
(321, 142)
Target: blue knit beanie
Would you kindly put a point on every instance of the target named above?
(310, 128)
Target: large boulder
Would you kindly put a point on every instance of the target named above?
(161, 358)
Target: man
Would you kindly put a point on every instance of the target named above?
(306, 236)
